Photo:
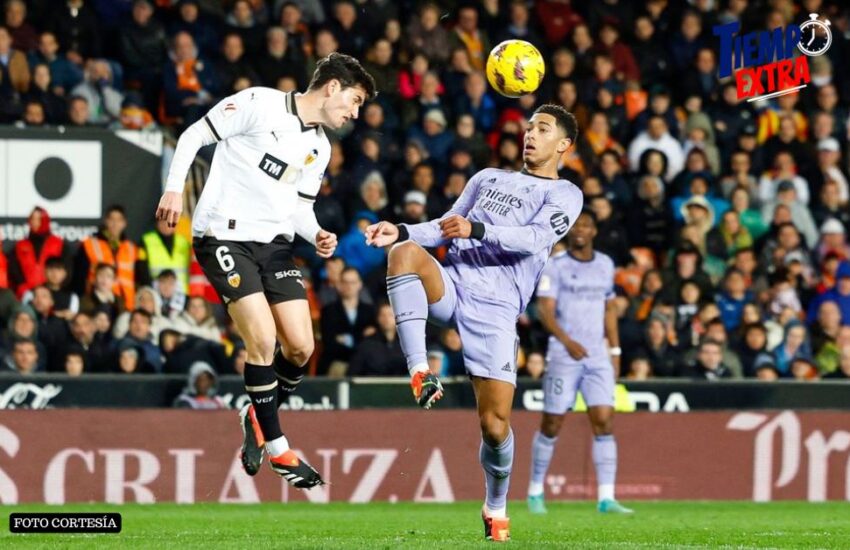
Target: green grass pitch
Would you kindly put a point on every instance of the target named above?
(571, 525)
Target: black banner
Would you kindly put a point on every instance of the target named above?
(156, 391)
(75, 174)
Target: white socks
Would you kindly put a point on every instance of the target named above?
(277, 446)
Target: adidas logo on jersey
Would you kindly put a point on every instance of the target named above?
(507, 367)
(272, 166)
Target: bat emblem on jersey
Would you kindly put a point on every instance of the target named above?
(234, 279)
(311, 156)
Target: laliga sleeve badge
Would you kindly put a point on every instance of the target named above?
(234, 279)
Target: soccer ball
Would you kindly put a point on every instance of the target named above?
(515, 68)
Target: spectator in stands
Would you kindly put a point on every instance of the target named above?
(75, 25)
(825, 333)
(85, 338)
(843, 370)
(241, 20)
(24, 36)
(190, 19)
(65, 302)
(686, 266)
(101, 297)
(657, 137)
(189, 81)
(147, 299)
(732, 298)
(130, 359)
(344, 323)
(24, 357)
(658, 349)
(23, 325)
(111, 246)
(611, 236)
(100, 89)
(749, 218)
(200, 390)
(198, 320)
(139, 336)
(326, 44)
(78, 112)
(353, 249)
(53, 107)
(75, 362)
(277, 62)
(833, 241)
(831, 206)
(425, 34)
(467, 34)
(172, 297)
(349, 29)
(64, 75)
(840, 294)
(233, 71)
(52, 331)
(786, 195)
(14, 78)
(709, 362)
(163, 248)
(143, 51)
(795, 344)
(476, 101)
(752, 345)
(32, 253)
(379, 354)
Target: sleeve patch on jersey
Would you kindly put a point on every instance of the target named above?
(272, 166)
(545, 284)
(560, 222)
(212, 128)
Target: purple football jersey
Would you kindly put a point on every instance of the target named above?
(581, 289)
(523, 217)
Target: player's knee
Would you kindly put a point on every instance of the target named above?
(403, 258)
(260, 350)
(551, 425)
(494, 427)
(300, 353)
(603, 426)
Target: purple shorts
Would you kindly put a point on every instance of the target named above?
(562, 381)
(486, 326)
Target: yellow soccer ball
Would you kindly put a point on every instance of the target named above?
(515, 68)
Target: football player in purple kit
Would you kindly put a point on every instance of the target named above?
(500, 231)
(575, 303)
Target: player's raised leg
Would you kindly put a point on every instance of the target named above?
(605, 458)
(413, 282)
(495, 399)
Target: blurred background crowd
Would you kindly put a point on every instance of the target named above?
(727, 219)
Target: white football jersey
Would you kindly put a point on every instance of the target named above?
(265, 163)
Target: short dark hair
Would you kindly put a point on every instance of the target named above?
(347, 70)
(710, 342)
(166, 273)
(143, 313)
(54, 262)
(563, 118)
(115, 208)
(590, 214)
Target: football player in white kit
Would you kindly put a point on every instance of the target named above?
(268, 167)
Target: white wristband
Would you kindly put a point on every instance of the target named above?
(616, 352)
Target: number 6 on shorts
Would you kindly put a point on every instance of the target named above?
(225, 260)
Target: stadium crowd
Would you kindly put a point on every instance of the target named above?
(727, 219)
